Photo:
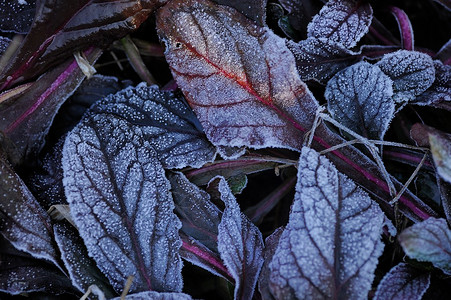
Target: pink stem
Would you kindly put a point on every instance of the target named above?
(405, 27)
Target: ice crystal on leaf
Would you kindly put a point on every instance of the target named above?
(359, 97)
(331, 245)
(342, 21)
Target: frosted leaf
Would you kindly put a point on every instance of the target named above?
(440, 89)
(331, 245)
(200, 217)
(319, 59)
(403, 282)
(21, 273)
(16, 15)
(23, 221)
(412, 73)
(441, 153)
(239, 78)
(167, 124)
(359, 97)
(271, 243)
(342, 21)
(156, 296)
(430, 241)
(240, 244)
(120, 201)
(81, 268)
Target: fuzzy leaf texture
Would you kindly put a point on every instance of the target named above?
(342, 21)
(23, 221)
(412, 73)
(166, 122)
(16, 15)
(228, 67)
(155, 296)
(359, 97)
(240, 244)
(440, 89)
(403, 282)
(331, 245)
(319, 58)
(429, 241)
(120, 201)
(82, 269)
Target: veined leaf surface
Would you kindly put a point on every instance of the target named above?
(331, 245)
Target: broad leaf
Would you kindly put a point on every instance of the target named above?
(253, 9)
(342, 21)
(331, 245)
(412, 73)
(16, 15)
(319, 58)
(228, 67)
(271, 244)
(359, 97)
(26, 118)
(240, 244)
(120, 201)
(78, 25)
(23, 221)
(440, 91)
(155, 296)
(200, 217)
(166, 122)
(82, 269)
(429, 241)
(403, 282)
(20, 273)
(241, 81)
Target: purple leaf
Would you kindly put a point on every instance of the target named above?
(331, 245)
(412, 73)
(199, 255)
(23, 221)
(440, 91)
(444, 54)
(120, 201)
(78, 25)
(319, 59)
(200, 217)
(342, 21)
(166, 122)
(271, 244)
(25, 119)
(430, 241)
(403, 282)
(240, 244)
(82, 269)
(155, 296)
(16, 15)
(359, 97)
(446, 4)
(20, 273)
(253, 9)
(405, 28)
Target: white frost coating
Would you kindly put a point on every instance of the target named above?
(342, 21)
(166, 122)
(412, 73)
(23, 221)
(120, 201)
(331, 244)
(359, 97)
(239, 78)
(440, 89)
(320, 58)
(156, 296)
(403, 282)
(240, 244)
(429, 240)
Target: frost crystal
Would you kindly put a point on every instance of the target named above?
(331, 244)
